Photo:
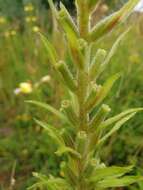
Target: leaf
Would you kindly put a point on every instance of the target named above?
(102, 93)
(52, 55)
(107, 24)
(112, 51)
(96, 63)
(93, 4)
(116, 127)
(50, 183)
(119, 182)
(72, 36)
(67, 20)
(116, 118)
(50, 109)
(64, 149)
(52, 132)
(109, 172)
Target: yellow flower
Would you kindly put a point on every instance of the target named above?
(25, 87)
(2, 20)
(35, 29)
(28, 8)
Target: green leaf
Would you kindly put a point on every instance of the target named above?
(107, 24)
(119, 182)
(116, 128)
(118, 117)
(50, 183)
(72, 37)
(52, 55)
(67, 21)
(109, 172)
(112, 52)
(92, 4)
(52, 132)
(64, 149)
(50, 109)
(102, 93)
(96, 63)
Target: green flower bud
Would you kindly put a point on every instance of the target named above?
(96, 63)
(68, 110)
(67, 76)
(81, 142)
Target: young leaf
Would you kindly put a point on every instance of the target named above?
(50, 109)
(118, 117)
(96, 63)
(64, 149)
(67, 21)
(52, 132)
(112, 52)
(99, 117)
(52, 55)
(119, 182)
(109, 172)
(116, 128)
(106, 25)
(102, 93)
(72, 37)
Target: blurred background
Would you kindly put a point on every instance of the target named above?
(25, 73)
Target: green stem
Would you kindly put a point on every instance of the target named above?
(83, 18)
(83, 76)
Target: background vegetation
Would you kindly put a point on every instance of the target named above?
(24, 147)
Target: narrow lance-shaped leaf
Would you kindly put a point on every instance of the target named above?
(108, 172)
(68, 20)
(50, 109)
(92, 4)
(99, 118)
(119, 182)
(116, 118)
(96, 63)
(72, 38)
(111, 52)
(102, 93)
(52, 55)
(106, 25)
(64, 149)
(52, 132)
(115, 128)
